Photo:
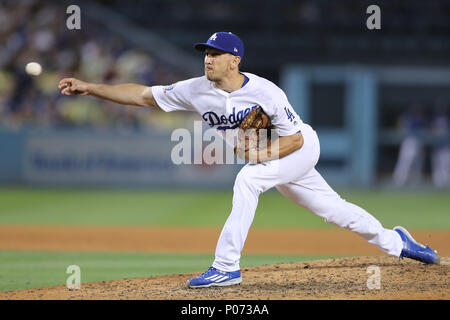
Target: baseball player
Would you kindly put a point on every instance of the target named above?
(408, 168)
(440, 152)
(223, 96)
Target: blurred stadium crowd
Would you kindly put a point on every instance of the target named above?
(292, 31)
(35, 30)
(286, 31)
(308, 31)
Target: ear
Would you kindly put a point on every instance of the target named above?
(235, 62)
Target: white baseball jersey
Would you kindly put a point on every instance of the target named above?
(222, 110)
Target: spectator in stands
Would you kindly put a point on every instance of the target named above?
(31, 31)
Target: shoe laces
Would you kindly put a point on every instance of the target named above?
(209, 271)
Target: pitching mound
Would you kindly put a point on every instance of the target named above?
(378, 277)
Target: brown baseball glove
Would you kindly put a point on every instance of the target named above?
(257, 119)
(250, 129)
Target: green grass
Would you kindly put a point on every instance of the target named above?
(32, 269)
(206, 208)
(23, 269)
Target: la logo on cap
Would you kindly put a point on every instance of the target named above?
(213, 37)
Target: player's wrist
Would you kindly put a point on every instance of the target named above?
(90, 88)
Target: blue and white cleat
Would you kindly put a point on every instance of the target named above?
(415, 250)
(215, 278)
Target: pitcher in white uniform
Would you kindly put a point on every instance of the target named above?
(223, 96)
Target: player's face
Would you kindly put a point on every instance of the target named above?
(218, 64)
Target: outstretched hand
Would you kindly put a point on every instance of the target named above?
(74, 86)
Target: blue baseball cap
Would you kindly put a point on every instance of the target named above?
(225, 41)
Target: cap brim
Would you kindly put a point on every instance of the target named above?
(202, 46)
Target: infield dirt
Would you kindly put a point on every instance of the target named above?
(341, 278)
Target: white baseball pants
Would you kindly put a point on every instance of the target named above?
(297, 179)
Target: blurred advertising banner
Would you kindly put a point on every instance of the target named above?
(77, 157)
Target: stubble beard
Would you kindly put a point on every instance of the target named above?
(211, 77)
(214, 76)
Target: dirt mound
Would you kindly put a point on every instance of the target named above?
(343, 278)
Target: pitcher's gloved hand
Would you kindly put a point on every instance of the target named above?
(250, 132)
(257, 119)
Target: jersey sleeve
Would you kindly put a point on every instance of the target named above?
(283, 116)
(175, 97)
